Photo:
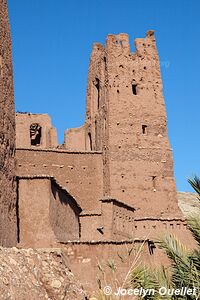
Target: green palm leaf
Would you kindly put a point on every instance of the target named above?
(195, 183)
(194, 226)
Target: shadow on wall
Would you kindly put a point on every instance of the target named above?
(64, 215)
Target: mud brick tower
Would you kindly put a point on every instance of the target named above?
(113, 177)
(8, 221)
(126, 120)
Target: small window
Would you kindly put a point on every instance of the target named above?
(151, 247)
(104, 125)
(154, 182)
(97, 85)
(144, 129)
(90, 140)
(35, 134)
(134, 89)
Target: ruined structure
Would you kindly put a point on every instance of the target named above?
(8, 221)
(112, 179)
(107, 190)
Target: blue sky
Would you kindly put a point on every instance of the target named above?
(52, 42)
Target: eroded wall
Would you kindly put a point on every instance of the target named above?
(75, 139)
(117, 221)
(34, 222)
(64, 215)
(90, 261)
(126, 119)
(35, 131)
(47, 214)
(80, 173)
(8, 228)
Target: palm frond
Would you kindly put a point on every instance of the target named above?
(143, 277)
(194, 226)
(151, 280)
(140, 277)
(182, 264)
(174, 249)
(195, 183)
(163, 277)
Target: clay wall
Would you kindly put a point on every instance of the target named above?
(47, 215)
(75, 139)
(123, 222)
(118, 221)
(86, 260)
(97, 118)
(105, 225)
(80, 173)
(64, 215)
(34, 224)
(154, 229)
(48, 134)
(90, 223)
(8, 228)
